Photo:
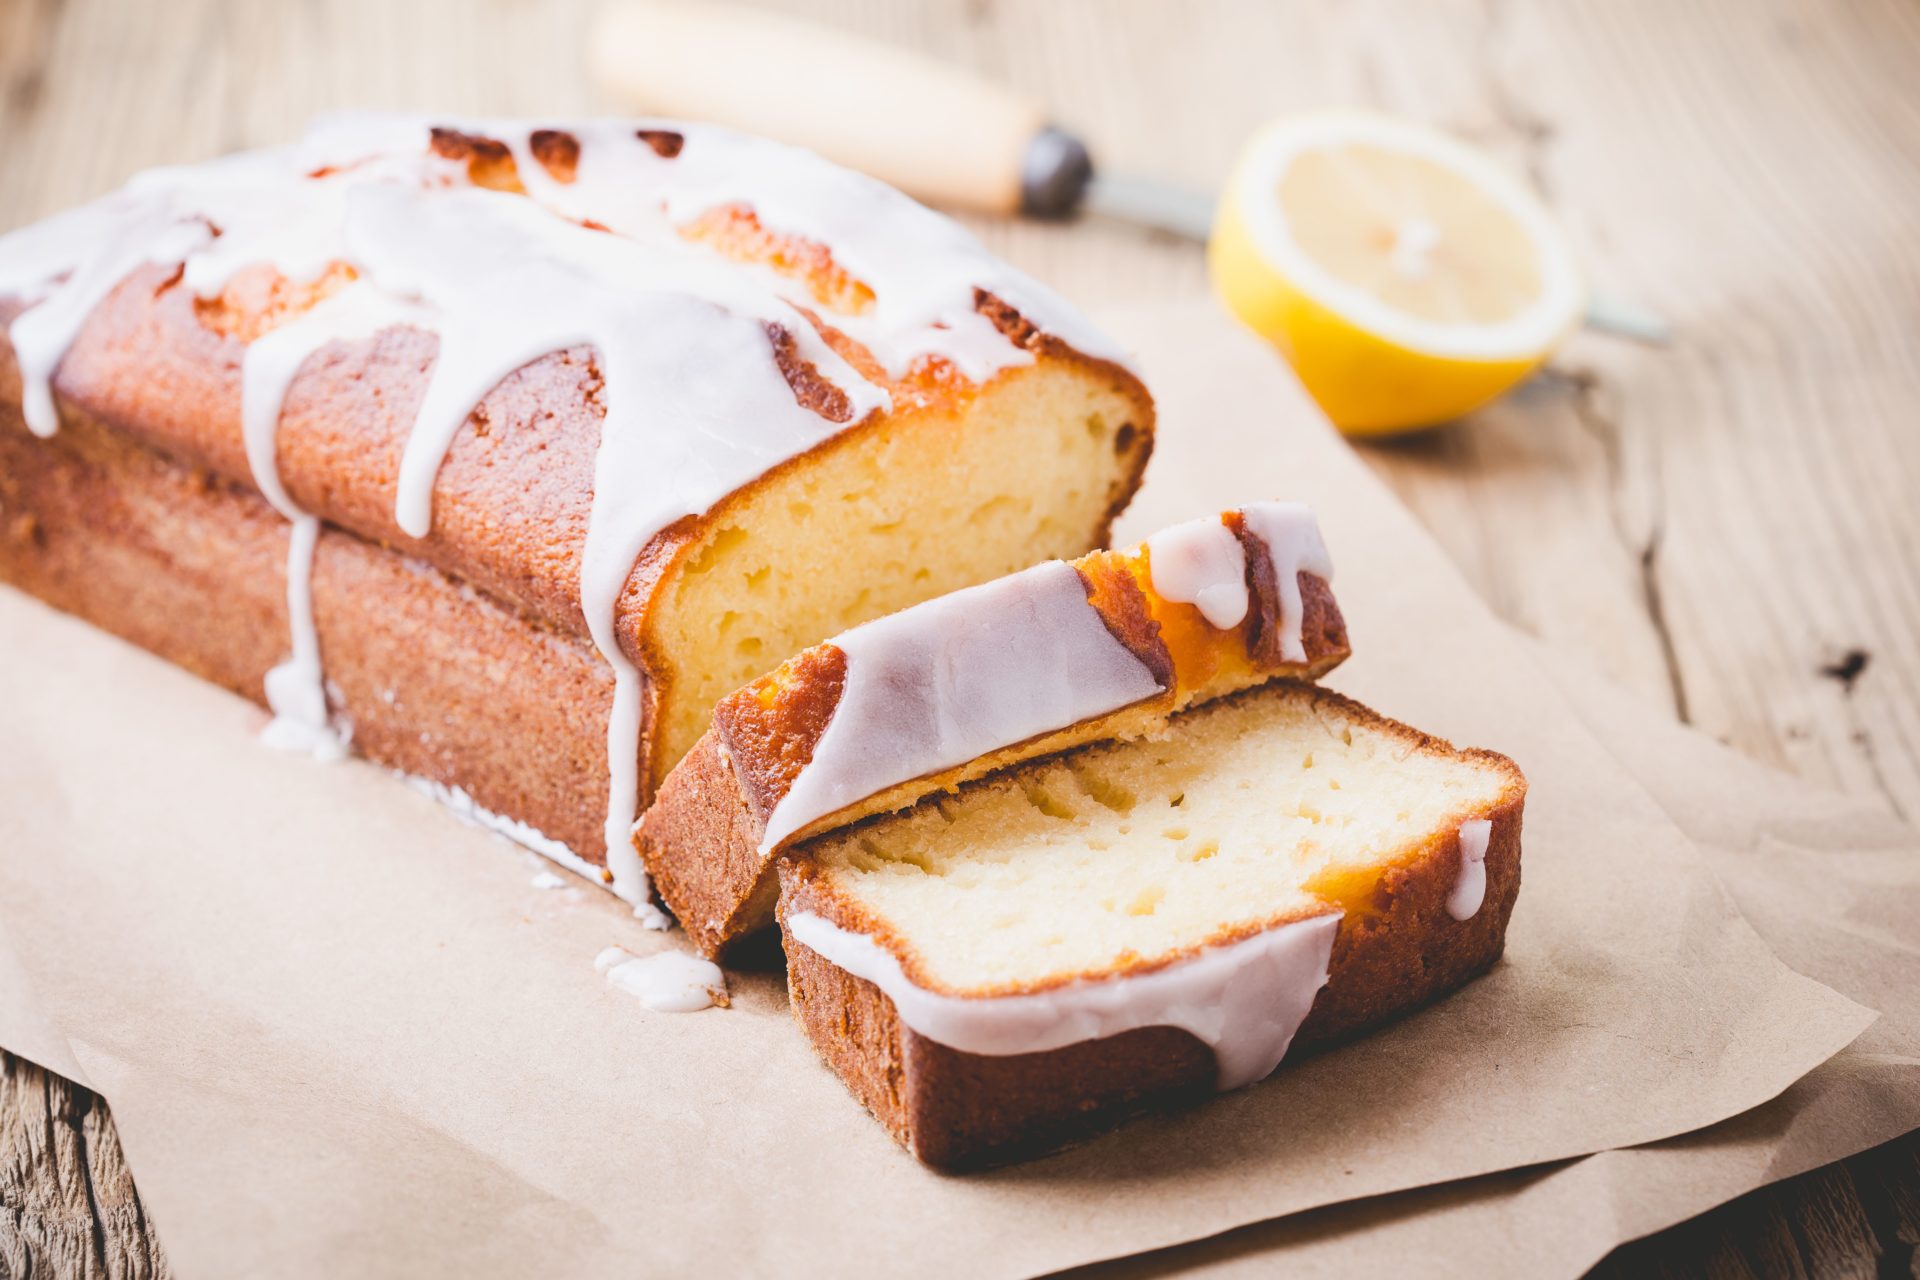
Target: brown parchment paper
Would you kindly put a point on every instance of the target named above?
(1833, 883)
(341, 1033)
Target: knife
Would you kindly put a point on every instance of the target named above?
(941, 134)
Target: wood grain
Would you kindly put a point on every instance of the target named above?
(67, 1202)
(1726, 525)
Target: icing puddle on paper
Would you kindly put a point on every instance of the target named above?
(666, 981)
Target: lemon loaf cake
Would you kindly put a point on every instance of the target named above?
(663, 404)
(956, 687)
(1136, 924)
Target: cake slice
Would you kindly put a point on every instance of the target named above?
(1138, 924)
(949, 690)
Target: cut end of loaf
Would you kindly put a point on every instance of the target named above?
(1033, 466)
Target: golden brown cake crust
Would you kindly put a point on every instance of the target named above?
(512, 498)
(771, 727)
(437, 680)
(700, 839)
(957, 1110)
(722, 894)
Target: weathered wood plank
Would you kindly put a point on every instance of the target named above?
(1821, 1224)
(1889, 1182)
(68, 1207)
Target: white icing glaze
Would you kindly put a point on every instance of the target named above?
(1470, 890)
(1244, 1000)
(546, 880)
(1295, 546)
(504, 281)
(296, 689)
(951, 679)
(1201, 563)
(296, 227)
(93, 247)
(666, 981)
(465, 808)
(922, 267)
(266, 212)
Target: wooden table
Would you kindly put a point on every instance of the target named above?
(1727, 525)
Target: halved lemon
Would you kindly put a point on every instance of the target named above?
(1406, 277)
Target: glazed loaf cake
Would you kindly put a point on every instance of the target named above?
(659, 403)
(954, 688)
(1127, 925)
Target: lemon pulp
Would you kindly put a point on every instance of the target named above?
(1406, 277)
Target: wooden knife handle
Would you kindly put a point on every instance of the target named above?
(934, 131)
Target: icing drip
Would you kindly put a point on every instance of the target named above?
(1470, 890)
(666, 981)
(1295, 546)
(94, 247)
(949, 680)
(296, 227)
(296, 689)
(1244, 1000)
(266, 213)
(505, 280)
(1201, 563)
